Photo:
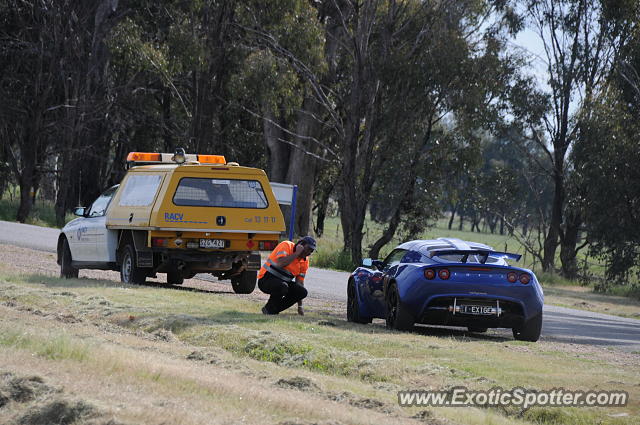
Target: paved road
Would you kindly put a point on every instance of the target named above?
(28, 236)
(560, 324)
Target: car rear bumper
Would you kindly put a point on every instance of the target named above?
(499, 312)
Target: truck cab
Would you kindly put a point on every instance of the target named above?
(177, 214)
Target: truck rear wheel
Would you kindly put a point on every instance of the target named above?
(245, 283)
(175, 278)
(129, 271)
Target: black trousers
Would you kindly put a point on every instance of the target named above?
(283, 294)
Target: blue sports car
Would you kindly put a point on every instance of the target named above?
(447, 282)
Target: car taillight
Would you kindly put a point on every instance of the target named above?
(267, 245)
(159, 242)
(512, 277)
(525, 278)
(444, 274)
(429, 274)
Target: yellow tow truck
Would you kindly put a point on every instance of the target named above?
(178, 214)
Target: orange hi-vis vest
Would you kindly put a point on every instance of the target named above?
(296, 269)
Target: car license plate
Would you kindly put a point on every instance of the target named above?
(477, 309)
(212, 243)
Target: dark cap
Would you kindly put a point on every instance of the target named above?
(308, 241)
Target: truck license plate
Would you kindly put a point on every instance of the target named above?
(212, 243)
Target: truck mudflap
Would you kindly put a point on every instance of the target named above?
(144, 254)
(255, 261)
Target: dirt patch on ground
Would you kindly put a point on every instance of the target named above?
(28, 400)
(22, 389)
(360, 402)
(298, 383)
(60, 411)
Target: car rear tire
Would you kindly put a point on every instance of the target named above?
(476, 330)
(530, 331)
(129, 272)
(245, 283)
(67, 271)
(397, 315)
(175, 278)
(353, 308)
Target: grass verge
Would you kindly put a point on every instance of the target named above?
(368, 363)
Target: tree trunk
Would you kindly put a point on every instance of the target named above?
(26, 200)
(551, 240)
(387, 235)
(166, 120)
(303, 165)
(322, 203)
(568, 250)
(28, 160)
(277, 150)
(453, 215)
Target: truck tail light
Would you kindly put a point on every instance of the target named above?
(159, 242)
(267, 245)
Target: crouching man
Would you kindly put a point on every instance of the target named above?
(282, 276)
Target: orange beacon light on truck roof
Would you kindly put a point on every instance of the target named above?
(178, 158)
(211, 159)
(144, 157)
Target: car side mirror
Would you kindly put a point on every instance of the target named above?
(79, 211)
(368, 262)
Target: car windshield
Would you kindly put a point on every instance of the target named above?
(99, 206)
(229, 193)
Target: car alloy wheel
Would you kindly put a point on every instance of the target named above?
(398, 317)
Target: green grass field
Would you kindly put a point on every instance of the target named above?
(101, 329)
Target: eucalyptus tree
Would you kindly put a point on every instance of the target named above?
(605, 163)
(285, 47)
(581, 39)
(53, 86)
(405, 66)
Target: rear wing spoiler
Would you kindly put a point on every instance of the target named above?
(482, 253)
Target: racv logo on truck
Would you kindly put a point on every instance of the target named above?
(179, 218)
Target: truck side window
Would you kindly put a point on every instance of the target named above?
(140, 190)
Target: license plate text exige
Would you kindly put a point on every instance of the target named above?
(477, 309)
